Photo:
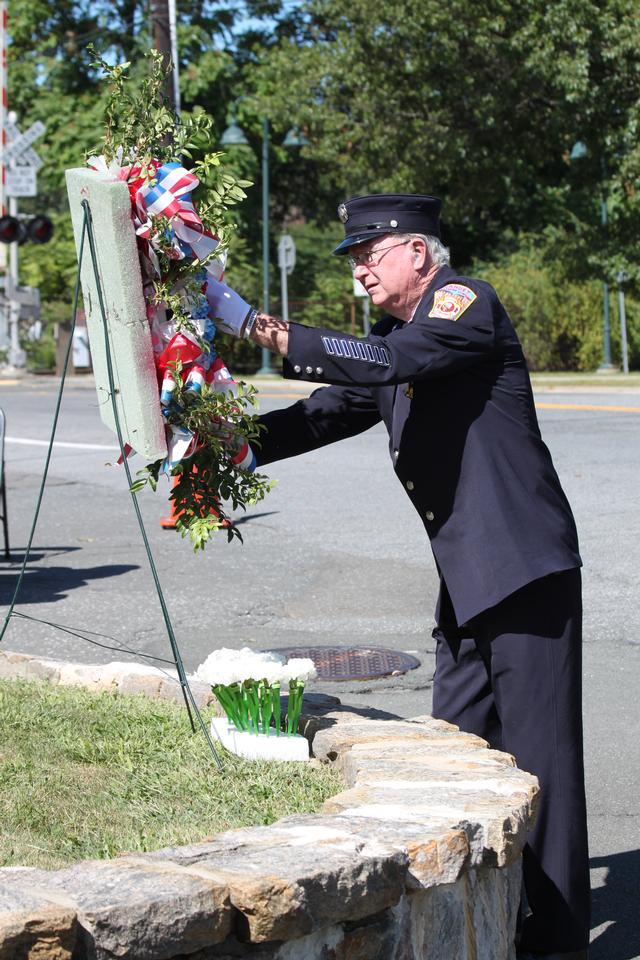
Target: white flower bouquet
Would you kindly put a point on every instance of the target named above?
(248, 686)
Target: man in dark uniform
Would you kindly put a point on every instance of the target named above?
(446, 373)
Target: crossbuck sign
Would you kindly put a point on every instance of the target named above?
(22, 162)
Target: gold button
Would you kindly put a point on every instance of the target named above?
(409, 484)
(429, 515)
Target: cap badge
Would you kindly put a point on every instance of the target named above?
(342, 213)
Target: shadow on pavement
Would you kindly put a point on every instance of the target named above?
(248, 517)
(48, 584)
(37, 553)
(616, 903)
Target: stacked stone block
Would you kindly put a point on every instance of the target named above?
(417, 859)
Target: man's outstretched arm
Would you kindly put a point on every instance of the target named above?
(272, 333)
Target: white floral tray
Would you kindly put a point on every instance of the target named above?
(259, 746)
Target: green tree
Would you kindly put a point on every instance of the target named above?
(479, 103)
(51, 79)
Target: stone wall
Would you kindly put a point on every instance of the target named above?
(417, 859)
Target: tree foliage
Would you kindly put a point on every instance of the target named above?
(479, 103)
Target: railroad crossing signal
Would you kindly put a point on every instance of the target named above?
(21, 161)
(18, 230)
(22, 164)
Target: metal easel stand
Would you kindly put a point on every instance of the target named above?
(191, 705)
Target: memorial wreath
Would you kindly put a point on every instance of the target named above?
(182, 224)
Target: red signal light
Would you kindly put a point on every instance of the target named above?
(37, 229)
(40, 229)
(9, 229)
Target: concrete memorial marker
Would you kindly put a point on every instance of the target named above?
(128, 330)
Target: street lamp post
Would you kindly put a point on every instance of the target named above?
(621, 279)
(578, 152)
(606, 323)
(234, 135)
(265, 366)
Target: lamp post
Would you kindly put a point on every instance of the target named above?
(578, 152)
(606, 359)
(265, 367)
(234, 136)
(621, 279)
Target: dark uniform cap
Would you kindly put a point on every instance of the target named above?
(380, 213)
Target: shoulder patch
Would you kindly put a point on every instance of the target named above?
(451, 301)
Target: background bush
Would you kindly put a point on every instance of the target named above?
(559, 320)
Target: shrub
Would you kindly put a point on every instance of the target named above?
(558, 321)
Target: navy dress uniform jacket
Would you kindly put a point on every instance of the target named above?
(456, 399)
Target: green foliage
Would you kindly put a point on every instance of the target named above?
(94, 775)
(41, 353)
(210, 477)
(321, 283)
(559, 320)
(142, 129)
(320, 288)
(478, 103)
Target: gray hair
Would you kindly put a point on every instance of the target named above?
(438, 253)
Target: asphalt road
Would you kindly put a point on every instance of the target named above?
(335, 555)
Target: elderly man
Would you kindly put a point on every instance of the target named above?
(446, 373)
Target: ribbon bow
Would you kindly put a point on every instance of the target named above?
(168, 195)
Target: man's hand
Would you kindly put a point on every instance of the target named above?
(233, 314)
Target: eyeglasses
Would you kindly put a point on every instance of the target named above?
(371, 258)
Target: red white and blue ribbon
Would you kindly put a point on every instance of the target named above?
(168, 195)
(181, 443)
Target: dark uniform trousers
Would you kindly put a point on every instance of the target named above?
(513, 675)
(453, 391)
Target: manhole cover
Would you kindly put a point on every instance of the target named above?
(352, 663)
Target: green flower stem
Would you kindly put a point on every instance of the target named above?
(296, 690)
(266, 706)
(230, 700)
(276, 707)
(224, 700)
(252, 701)
(238, 706)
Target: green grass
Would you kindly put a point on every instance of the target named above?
(86, 775)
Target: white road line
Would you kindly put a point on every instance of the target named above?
(61, 443)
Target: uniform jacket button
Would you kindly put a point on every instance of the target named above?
(395, 454)
(297, 368)
(308, 369)
(429, 515)
(409, 484)
(319, 371)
